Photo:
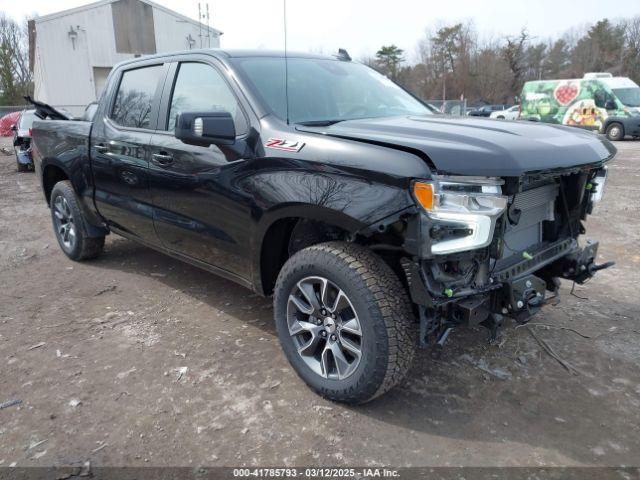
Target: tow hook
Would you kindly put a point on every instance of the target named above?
(582, 266)
(593, 268)
(526, 297)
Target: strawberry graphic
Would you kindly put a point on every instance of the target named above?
(565, 92)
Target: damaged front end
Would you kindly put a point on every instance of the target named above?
(487, 248)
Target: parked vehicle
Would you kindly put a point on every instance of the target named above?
(7, 122)
(22, 140)
(486, 110)
(599, 101)
(375, 225)
(511, 113)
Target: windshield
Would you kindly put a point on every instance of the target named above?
(26, 120)
(324, 90)
(628, 96)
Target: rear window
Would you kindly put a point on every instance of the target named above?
(132, 107)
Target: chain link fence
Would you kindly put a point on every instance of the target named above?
(5, 109)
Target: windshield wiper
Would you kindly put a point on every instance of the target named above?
(319, 123)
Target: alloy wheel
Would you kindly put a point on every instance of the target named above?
(64, 222)
(325, 328)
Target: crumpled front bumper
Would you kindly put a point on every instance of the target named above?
(516, 289)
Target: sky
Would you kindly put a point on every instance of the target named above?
(362, 26)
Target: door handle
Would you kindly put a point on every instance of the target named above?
(101, 148)
(163, 158)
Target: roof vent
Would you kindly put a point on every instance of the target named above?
(592, 75)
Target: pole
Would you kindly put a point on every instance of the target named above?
(444, 85)
(208, 29)
(286, 61)
(200, 23)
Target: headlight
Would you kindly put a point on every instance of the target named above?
(465, 210)
(596, 185)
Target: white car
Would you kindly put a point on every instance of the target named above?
(511, 113)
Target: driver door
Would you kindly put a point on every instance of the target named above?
(197, 210)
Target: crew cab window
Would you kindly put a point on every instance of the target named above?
(132, 107)
(201, 88)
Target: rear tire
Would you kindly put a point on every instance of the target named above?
(69, 226)
(363, 308)
(615, 132)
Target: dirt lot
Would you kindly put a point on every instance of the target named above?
(138, 359)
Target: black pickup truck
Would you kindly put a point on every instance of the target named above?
(376, 225)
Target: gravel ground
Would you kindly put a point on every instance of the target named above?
(138, 359)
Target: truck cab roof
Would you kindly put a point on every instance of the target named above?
(230, 53)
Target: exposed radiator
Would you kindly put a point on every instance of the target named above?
(536, 205)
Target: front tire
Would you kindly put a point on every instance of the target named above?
(68, 224)
(344, 321)
(615, 132)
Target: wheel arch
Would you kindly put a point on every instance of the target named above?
(610, 120)
(52, 173)
(309, 223)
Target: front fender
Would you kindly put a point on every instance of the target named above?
(345, 200)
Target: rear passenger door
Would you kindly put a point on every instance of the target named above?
(120, 149)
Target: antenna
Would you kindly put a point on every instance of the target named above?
(200, 23)
(208, 29)
(286, 61)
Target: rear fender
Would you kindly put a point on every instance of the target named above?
(94, 226)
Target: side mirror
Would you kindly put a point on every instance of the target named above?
(205, 128)
(610, 105)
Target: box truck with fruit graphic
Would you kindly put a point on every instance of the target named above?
(599, 101)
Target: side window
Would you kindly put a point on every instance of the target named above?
(132, 107)
(201, 88)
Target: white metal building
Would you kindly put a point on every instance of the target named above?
(72, 52)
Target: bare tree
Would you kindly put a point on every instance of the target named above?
(15, 76)
(514, 54)
(631, 55)
(493, 70)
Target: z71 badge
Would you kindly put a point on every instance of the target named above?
(286, 145)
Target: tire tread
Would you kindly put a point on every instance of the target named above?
(90, 247)
(397, 335)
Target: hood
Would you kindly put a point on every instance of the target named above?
(479, 146)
